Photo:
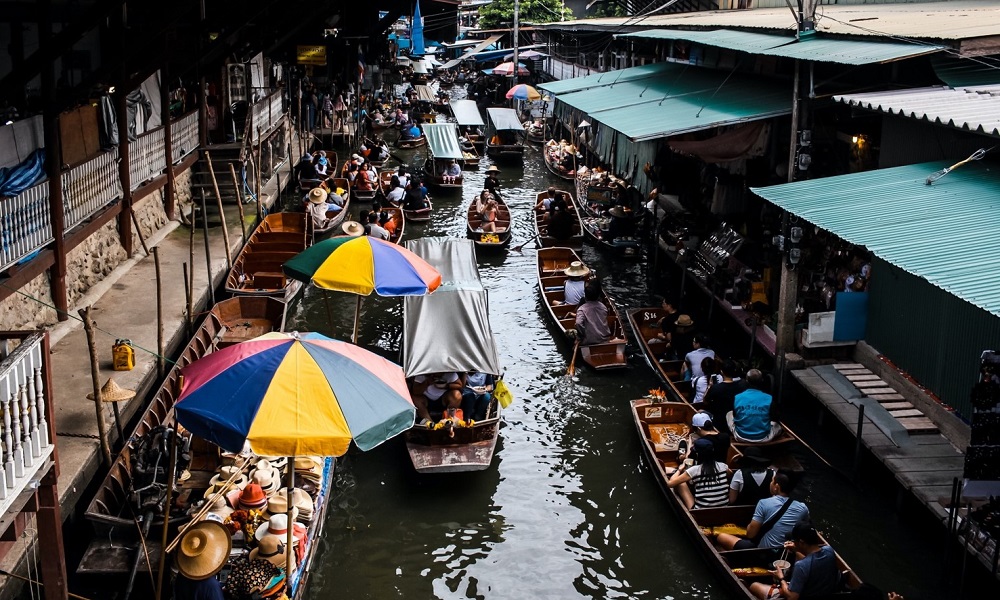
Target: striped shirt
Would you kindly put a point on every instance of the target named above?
(711, 489)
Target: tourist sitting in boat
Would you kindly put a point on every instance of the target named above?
(317, 207)
(413, 199)
(667, 322)
(721, 396)
(488, 211)
(700, 351)
(702, 427)
(203, 551)
(705, 483)
(395, 194)
(383, 152)
(412, 133)
(751, 419)
(576, 282)
(773, 518)
(374, 229)
(384, 219)
(560, 225)
(476, 395)
(451, 171)
(322, 167)
(681, 340)
(592, 317)
(438, 393)
(492, 182)
(704, 382)
(751, 483)
(363, 179)
(401, 119)
(816, 573)
(552, 199)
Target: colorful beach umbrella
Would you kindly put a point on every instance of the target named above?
(523, 91)
(508, 69)
(294, 395)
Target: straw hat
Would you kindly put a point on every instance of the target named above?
(266, 476)
(685, 321)
(270, 548)
(111, 392)
(493, 169)
(577, 269)
(318, 195)
(617, 211)
(278, 525)
(220, 508)
(302, 502)
(252, 497)
(203, 550)
(352, 228)
(218, 481)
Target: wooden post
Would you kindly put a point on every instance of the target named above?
(239, 202)
(208, 252)
(159, 315)
(124, 160)
(50, 539)
(222, 213)
(858, 441)
(95, 375)
(53, 168)
(187, 295)
(169, 202)
(257, 176)
(291, 168)
(138, 232)
(164, 538)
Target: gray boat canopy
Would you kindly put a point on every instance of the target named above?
(466, 112)
(425, 93)
(449, 330)
(442, 139)
(504, 119)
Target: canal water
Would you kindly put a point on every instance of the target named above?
(568, 509)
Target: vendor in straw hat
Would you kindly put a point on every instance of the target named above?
(576, 280)
(318, 207)
(202, 552)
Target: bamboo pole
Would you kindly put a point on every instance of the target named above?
(291, 168)
(159, 314)
(257, 176)
(222, 213)
(166, 505)
(239, 201)
(138, 232)
(289, 539)
(357, 319)
(95, 375)
(191, 272)
(208, 251)
(187, 296)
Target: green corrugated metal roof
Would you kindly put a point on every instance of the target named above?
(442, 139)
(679, 99)
(944, 232)
(601, 79)
(816, 47)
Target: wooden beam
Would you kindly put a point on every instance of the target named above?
(53, 166)
(125, 216)
(169, 203)
(50, 539)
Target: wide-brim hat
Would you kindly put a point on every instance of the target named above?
(253, 497)
(617, 211)
(204, 550)
(220, 479)
(270, 548)
(112, 392)
(301, 501)
(220, 508)
(493, 169)
(353, 228)
(318, 195)
(267, 478)
(577, 269)
(685, 321)
(278, 525)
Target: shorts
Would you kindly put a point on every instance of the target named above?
(744, 544)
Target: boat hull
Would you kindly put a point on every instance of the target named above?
(489, 240)
(472, 448)
(257, 269)
(541, 229)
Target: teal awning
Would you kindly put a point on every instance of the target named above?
(504, 119)
(679, 99)
(466, 112)
(442, 139)
(817, 47)
(944, 232)
(577, 84)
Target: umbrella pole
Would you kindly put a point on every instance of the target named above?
(329, 311)
(289, 535)
(357, 319)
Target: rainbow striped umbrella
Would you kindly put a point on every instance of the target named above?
(294, 395)
(362, 265)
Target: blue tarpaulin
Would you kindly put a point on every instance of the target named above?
(417, 32)
(14, 180)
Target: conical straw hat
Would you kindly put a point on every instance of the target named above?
(111, 392)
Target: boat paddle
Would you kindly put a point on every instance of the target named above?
(572, 363)
(521, 247)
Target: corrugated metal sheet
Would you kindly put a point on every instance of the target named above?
(970, 108)
(442, 139)
(954, 20)
(930, 333)
(466, 112)
(601, 79)
(818, 47)
(944, 233)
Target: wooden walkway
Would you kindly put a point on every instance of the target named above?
(908, 443)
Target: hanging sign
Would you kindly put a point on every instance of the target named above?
(311, 55)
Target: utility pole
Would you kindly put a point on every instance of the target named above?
(517, 7)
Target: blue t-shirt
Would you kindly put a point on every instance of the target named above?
(816, 574)
(779, 533)
(415, 131)
(752, 414)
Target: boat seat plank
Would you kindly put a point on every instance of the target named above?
(894, 406)
(862, 385)
(916, 425)
(856, 378)
(905, 412)
(893, 397)
(847, 372)
(842, 366)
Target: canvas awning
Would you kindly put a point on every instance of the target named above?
(504, 119)
(472, 51)
(466, 112)
(449, 330)
(442, 139)
(816, 47)
(419, 66)
(424, 93)
(944, 232)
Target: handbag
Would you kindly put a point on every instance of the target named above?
(502, 393)
(769, 524)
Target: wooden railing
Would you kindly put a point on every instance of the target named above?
(266, 114)
(25, 432)
(25, 226)
(89, 187)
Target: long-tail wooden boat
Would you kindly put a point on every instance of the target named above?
(595, 228)
(504, 136)
(405, 143)
(671, 371)
(431, 325)
(660, 425)
(357, 194)
(421, 215)
(486, 240)
(229, 322)
(308, 183)
(335, 218)
(552, 162)
(257, 269)
(542, 228)
(438, 181)
(551, 279)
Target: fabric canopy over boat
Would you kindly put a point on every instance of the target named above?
(483, 45)
(419, 66)
(504, 119)
(450, 329)
(442, 139)
(466, 112)
(424, 93)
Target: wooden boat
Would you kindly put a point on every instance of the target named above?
(596, 231)
(397, 217)
(541, 228)
(116, 543)
(434, 180)
(372, 146)
(533, 133)
(451, 316)
(404, 143)
(551, 162)
(487, 240)
(551, 264)
(660, 425)
(257, 269)
(422, 215)
(335, 220)
(670, 371)
(470, 162)
(308, 183)
(503, 141)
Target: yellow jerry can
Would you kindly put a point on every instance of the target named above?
(123, 355)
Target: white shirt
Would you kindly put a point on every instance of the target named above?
(440, 385)
(395, 194)
(378, 231)
(694, 359)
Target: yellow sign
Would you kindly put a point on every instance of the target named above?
(311, 55)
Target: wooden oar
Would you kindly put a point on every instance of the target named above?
(519, 248)
(572, 363)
